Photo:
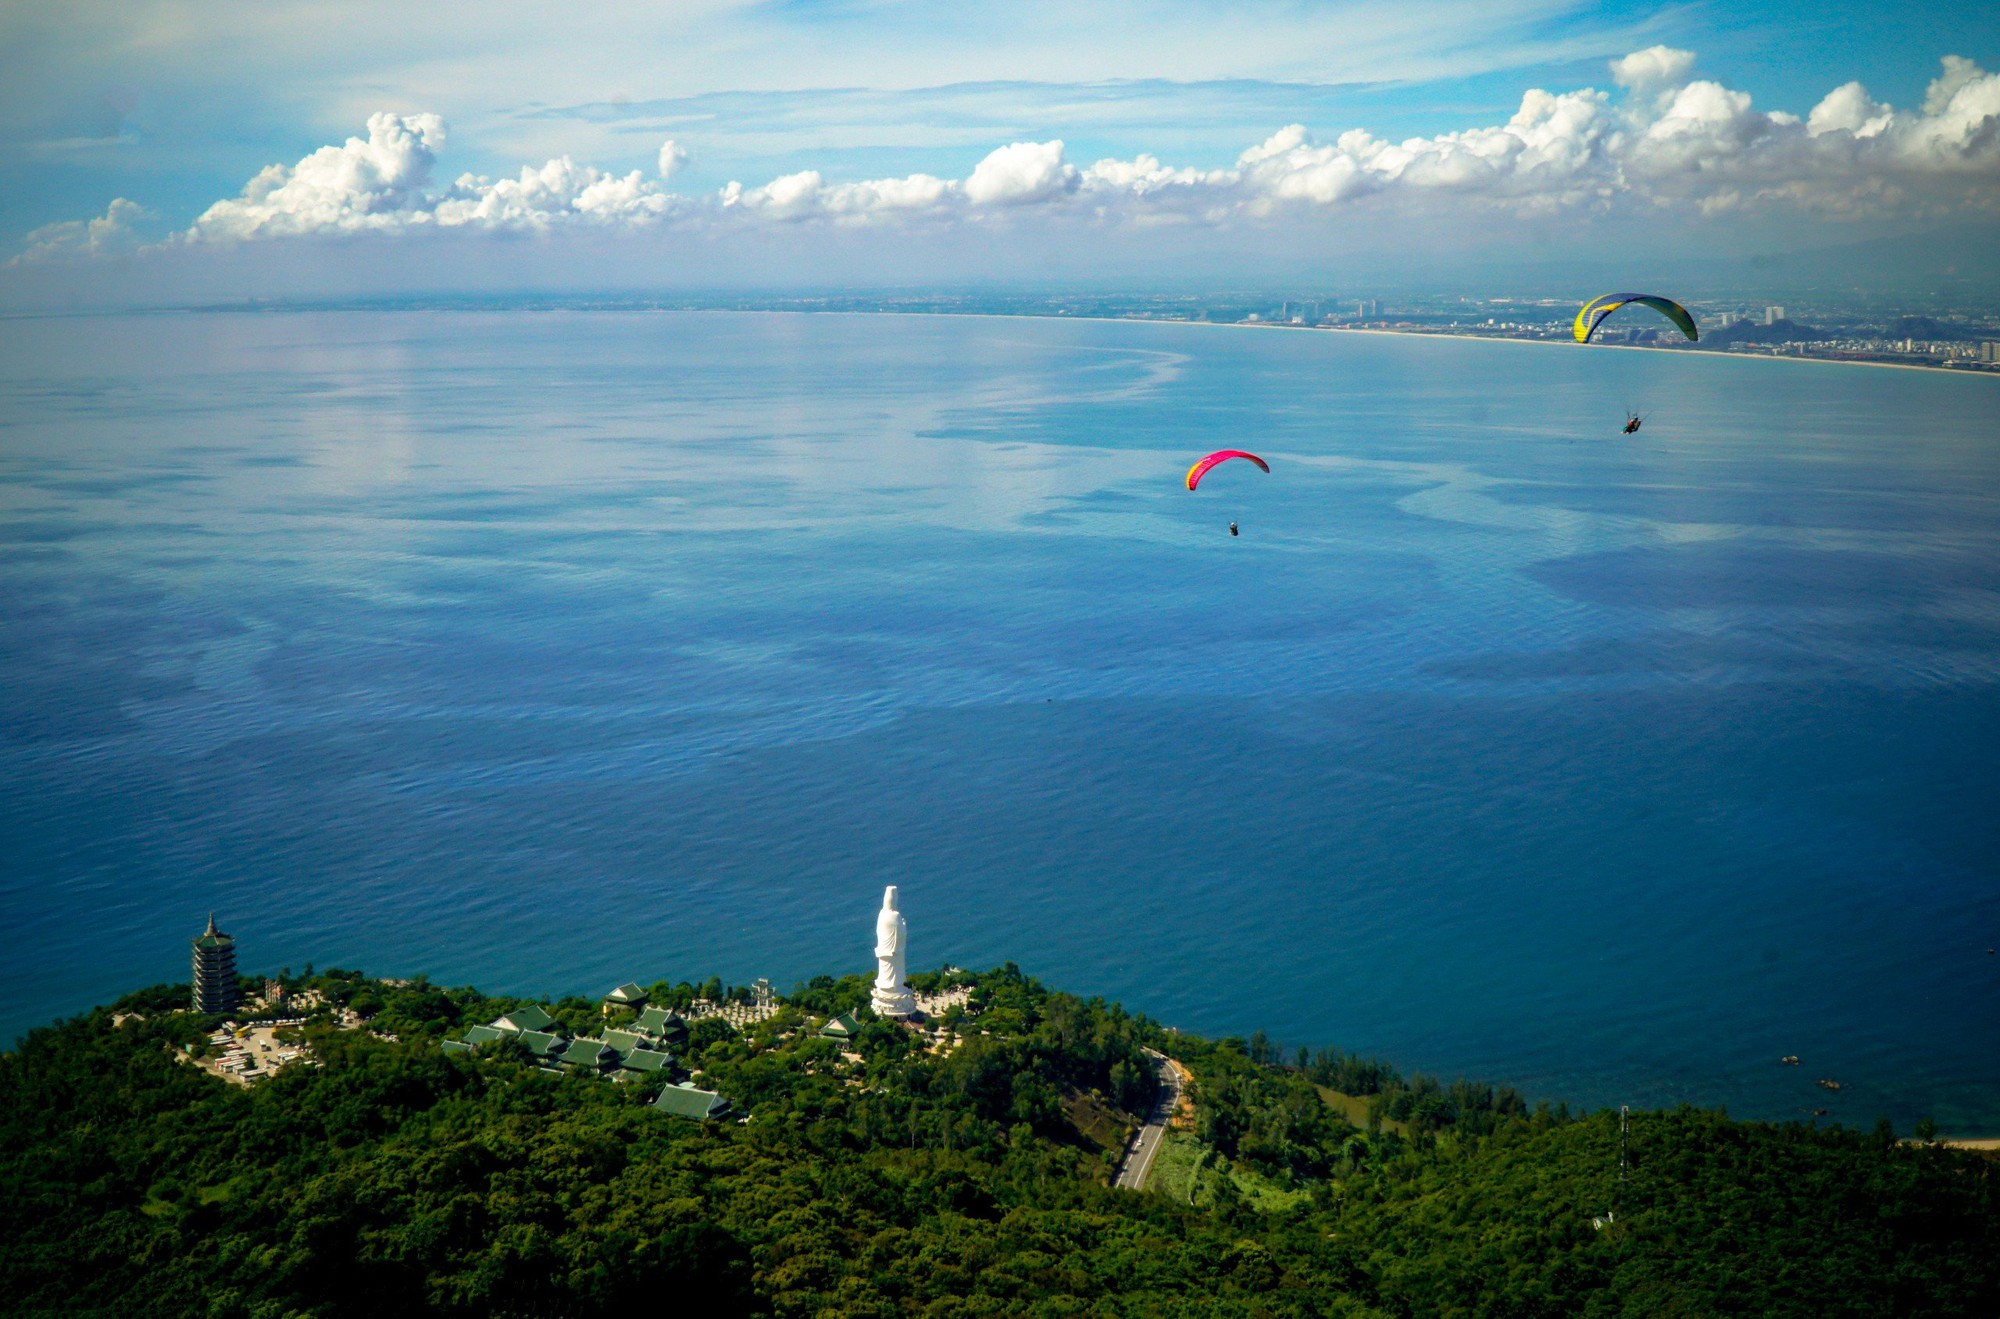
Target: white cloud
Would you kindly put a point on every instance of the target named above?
(1554, 150)
(1849, 108)
(1960, 126)
(1144, 175)
(382, 184)
(1959, 74)
(807, 196)
(1669, 141)
(1021, 175)
(1705, 127)
(1653, 67)
(109, 233)
(559, 192)
(1850, 155)
(372, 184)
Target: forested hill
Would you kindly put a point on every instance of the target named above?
(884, 1175)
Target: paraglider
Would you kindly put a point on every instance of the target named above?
(1632, 420)
(1200, 469)
(1595, 311)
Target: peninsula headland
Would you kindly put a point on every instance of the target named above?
(338, 1144)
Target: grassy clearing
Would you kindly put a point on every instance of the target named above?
(1184, 1163)
(1174, 1165)
(1355, 1109)
(1258, 1189)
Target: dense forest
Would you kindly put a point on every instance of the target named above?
(881, 1176)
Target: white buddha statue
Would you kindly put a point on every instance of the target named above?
(892, 998)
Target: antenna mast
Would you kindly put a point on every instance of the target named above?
(1624, 1162)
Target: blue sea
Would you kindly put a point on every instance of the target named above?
(546, 650)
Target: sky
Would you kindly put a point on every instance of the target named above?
(171, 149)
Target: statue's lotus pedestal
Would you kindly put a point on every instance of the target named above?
(896, 1001)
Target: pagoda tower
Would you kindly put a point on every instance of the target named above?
(215, 988)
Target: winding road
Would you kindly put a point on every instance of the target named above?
(1139, 1155)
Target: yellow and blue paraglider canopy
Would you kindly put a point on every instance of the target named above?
(1597, 309)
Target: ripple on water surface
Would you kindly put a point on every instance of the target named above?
(551, 651)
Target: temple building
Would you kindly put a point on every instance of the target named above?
(627, 995)
(215, 987)
(684, 1100)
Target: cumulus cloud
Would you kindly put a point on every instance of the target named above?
(1655, 66)
(1851, 154)
(109, 233)
(808, 196)
(559, 192)
(1849, 109)
(1668, 139)
(1959, 74)
(1706, 127)
(373, 184)
(383, 183)
(1021, 175)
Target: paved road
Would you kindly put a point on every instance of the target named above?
(1139, 1155)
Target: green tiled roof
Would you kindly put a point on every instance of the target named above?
(457, 1046)
(588, 1053)
(484, 1035)
(542, 1044)
(657, 1020)
(624, 1040)
(626, 993)
(842, 1027)
(686, 1101)
(647, 1060)
(532, 1017)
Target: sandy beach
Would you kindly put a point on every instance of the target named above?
(1640, 348)
(1435, 334)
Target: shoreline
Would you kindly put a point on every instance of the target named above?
(1708, 352)
(215, 309)
(1269, 325)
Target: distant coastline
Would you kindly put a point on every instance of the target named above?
(779, 309)
(1404, 334)
(1641, 348)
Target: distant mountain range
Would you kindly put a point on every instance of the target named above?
(1755, 332)
(1920, 328)
(1923, 327)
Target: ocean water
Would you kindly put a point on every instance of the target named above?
(547, 650)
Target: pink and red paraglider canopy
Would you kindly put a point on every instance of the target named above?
(1200, 469)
